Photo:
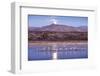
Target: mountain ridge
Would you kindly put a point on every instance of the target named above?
(59, 28)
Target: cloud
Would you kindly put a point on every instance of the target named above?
(53, 20)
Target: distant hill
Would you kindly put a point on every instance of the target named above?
(59, 28)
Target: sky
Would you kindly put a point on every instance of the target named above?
(42, 20)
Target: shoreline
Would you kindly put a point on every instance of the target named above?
(56, 43)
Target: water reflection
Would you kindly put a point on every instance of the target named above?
(69, 51)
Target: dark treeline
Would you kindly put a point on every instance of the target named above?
(56, 36)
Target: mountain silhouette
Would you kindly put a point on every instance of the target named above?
(59, 28)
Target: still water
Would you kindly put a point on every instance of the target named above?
(68, 51)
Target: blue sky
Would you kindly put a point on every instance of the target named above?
(40, 20)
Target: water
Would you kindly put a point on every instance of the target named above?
(39, 53)
(72, 51)
(69, 51)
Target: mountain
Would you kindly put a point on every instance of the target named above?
(33, 28)
(83, 28)
(59, 28)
